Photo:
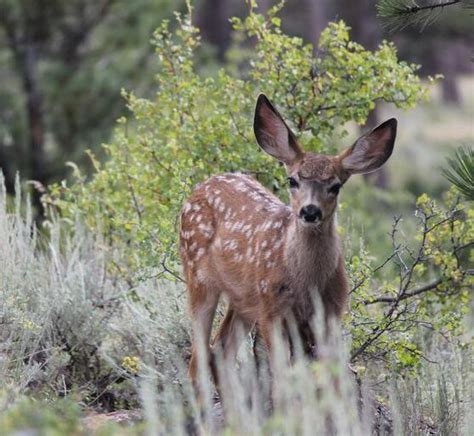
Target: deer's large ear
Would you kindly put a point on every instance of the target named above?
(273, 135)
(371, 150)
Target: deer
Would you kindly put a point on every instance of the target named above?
(270, 259)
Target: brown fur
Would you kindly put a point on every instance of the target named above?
(239, 240)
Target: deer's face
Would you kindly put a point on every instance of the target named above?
(314, 187)
(314, 179)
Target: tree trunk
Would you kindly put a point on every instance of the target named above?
(446, 58)
(365, 29)
(361, 17)
(263, 6)
(316, 13)
(213, 20)
(28, 66)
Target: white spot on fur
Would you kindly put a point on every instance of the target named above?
(237, 226)
(238, 257)
(230, 244)
(242, 187)
(268, 225)
(187, 207)
(278, 243)
(201, 276)
(200, 253)
(206, 230)
(249, 252)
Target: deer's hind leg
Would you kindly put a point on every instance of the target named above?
(226, 344)
(203, 302)
(231, 334)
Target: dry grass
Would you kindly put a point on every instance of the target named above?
(67, 328)
(70, 329)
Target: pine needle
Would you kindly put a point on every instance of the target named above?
(460, 171)
(398, 14)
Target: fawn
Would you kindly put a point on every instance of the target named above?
(268, 258)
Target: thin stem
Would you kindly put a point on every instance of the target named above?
(428, 287)
(415, 9)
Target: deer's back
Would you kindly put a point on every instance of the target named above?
(232, 237)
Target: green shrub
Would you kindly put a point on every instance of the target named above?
(75, 319)
(421, 288)
(27, 416)
(197, 126)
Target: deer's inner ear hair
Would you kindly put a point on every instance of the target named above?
(293, 183)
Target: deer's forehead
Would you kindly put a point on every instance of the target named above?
(317, 167)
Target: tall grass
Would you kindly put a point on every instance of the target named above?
(69, 328)
(67, 324)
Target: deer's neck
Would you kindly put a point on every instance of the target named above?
(312, 254)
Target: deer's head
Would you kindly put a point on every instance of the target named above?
(316, 179)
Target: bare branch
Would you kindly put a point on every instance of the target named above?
(417, 291)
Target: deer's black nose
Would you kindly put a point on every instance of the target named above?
(311, 213)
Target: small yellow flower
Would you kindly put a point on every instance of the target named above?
(131, 364)
(29, 325)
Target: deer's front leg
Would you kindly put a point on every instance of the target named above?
(336, 293)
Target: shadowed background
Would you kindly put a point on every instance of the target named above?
(63, 65)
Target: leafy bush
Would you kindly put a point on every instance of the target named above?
(75, 320)
(196, 126)
(428, 287)
(26, 416)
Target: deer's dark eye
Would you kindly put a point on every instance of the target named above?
(293, 183)
(334, 189)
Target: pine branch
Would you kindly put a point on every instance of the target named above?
(398, 14)
(460, 171)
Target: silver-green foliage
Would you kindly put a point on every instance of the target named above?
(71, 328)
(66, 324)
